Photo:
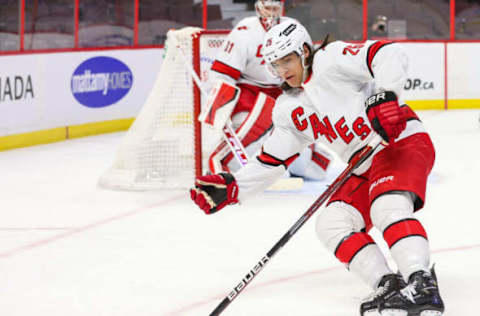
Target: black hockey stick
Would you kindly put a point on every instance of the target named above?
(356, 161)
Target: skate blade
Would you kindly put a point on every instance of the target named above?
(431, 313)
(394, 312)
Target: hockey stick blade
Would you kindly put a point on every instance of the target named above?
(357, 160)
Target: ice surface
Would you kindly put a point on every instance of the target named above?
(70, 248)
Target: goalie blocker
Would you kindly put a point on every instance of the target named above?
(220, 104)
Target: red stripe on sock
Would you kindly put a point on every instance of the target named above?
(402, 229)
(349, 247)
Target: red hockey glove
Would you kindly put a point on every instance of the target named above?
(385, 115)
(214, 192)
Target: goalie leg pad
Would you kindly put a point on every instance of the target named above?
(215, 162)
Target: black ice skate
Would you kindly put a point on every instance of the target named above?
(389, 285)
(419, 298)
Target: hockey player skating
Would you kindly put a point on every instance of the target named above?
(341, 95)
(240, 65)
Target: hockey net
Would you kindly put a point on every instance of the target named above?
(164, 146)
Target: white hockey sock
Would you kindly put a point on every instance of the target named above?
(393, 215)
(411, 254)
(339, 228)
(370, 265)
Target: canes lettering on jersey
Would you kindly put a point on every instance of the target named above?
(361, 128)
(325, 128)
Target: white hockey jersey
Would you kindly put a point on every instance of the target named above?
(329, 109)
(240, 58)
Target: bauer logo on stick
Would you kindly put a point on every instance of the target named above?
(249, 277)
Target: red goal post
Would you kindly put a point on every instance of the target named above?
(166, 146)
(204, 47)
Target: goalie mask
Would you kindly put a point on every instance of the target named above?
(269, 12)
(284, 39)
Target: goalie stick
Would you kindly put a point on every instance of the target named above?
(356, 161)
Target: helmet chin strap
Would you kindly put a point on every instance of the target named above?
(305, 68)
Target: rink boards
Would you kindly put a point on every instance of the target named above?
(49, 97)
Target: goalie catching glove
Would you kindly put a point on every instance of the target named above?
(214, 192)
(385, 115)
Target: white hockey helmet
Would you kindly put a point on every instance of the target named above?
(283, 39)
(269, 12)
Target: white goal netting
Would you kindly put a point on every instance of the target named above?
(163, 147)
